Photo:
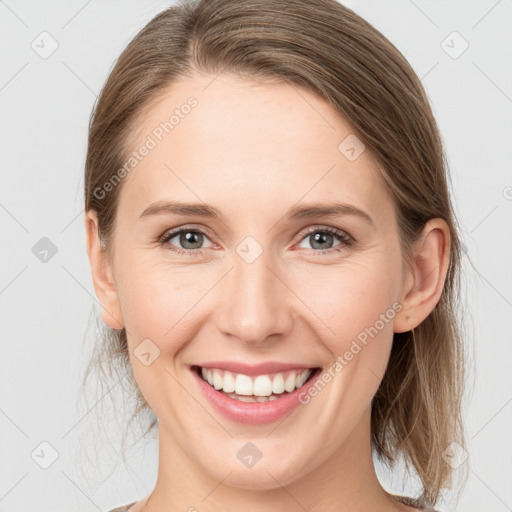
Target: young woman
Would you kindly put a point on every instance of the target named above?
(272, 241)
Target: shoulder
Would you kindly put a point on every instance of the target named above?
(123, 508)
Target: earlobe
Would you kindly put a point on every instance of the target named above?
(426, 277)
(102, 275)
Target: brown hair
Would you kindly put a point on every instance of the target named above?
(331, 51)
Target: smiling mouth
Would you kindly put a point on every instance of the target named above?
(257, 388)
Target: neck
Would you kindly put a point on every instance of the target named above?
(344, 482)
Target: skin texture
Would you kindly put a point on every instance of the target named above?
(254, 150)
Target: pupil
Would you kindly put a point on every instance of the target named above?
(319, 238)
(191, 238)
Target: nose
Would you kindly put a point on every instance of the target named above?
(256, 304)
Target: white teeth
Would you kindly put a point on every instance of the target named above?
(229, 382)
(218, 381)
(245, 399)
(303, 378)
(243, 385)
(289, 383)
(251, 399)
(278, 384)
(261, 386)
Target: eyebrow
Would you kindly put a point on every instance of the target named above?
(308, 211)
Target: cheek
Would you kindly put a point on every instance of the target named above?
(350, 299)
(357, 303)
(161, 302)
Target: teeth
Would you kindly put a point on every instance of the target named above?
(228, 383)
(289, 383)
(251, 399)
(278, 384)
(261, 388)
(245, 399)
(243, 384)
(217, 380)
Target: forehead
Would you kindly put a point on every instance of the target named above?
(228, 141)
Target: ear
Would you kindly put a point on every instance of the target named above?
(425, 278)
(102, 275)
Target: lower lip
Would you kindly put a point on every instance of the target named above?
(257, 412)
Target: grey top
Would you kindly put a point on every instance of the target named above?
(402, 499)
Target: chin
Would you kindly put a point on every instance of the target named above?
(254, 479)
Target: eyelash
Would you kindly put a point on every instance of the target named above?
(346, 240)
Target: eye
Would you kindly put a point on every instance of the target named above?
(324, 238)
(190, 240)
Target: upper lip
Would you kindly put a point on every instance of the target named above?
(255, 369)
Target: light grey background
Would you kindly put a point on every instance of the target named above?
(46, 306)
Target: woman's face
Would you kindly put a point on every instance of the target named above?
(268, 281)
